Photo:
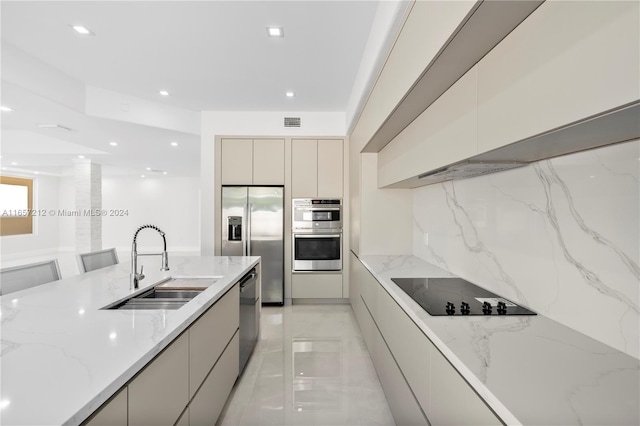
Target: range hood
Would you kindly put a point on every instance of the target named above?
(467, 169)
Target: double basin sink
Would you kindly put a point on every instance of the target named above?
(169, 294)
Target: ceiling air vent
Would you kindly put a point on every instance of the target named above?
(292, 122)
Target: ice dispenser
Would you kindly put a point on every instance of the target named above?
(235, 228)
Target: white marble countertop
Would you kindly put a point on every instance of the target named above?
(529, 370)
(62, 356)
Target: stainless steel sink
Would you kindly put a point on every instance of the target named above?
(133, 304)
(160, 297)
(161, 293)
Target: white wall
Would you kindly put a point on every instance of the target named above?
(172, 204)
(561, 236)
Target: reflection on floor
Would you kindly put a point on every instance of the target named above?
(310, 367)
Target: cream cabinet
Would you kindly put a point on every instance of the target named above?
(445, 133)
(159, 394)
(210, 335)
(113, 412)
(268, 162)
(304, 168)
(413, 359)
(317, 168)
(252, 161)
(450, 392)
(403, 405)
(533, 96)
(316, 286)
(189, 381)
(421, 386)
(207, 404)
(237, 162)
(184, 419)
(330, 168)
(566, 62)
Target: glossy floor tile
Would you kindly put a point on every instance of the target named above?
(310, 367)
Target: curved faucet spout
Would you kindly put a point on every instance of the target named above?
(135, 276)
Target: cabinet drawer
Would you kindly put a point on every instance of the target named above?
(158, 395)
(413, 359)
(113, 412)
(316, 286)
(403, 405)
(450, 393)
(210, 334)
(210, 399)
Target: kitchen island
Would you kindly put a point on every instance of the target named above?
(63, 356)
(515, 370)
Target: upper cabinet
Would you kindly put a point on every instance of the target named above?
(252, 161)
(565, 80)
(445, 133)
(568, 61)
(317, 168)
(304, 168)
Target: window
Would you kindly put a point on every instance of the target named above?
(16, 204)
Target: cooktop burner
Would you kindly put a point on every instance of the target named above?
(455, 296)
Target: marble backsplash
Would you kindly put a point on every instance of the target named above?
(560, 236)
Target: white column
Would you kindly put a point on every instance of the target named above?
(88, 187)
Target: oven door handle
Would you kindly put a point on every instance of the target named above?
(316, 235)
(316, 209)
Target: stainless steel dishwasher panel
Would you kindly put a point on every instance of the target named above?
(249, 309)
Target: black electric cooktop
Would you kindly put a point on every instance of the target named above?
(455, 296)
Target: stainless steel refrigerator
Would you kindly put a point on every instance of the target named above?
(253, 225)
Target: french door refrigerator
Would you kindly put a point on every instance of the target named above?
(253, 225)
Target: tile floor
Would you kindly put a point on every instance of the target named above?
(310, 367)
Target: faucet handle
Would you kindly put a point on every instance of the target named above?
(141, 272)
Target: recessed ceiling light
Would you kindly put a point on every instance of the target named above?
(13, 163)
(82, 30)
(290, 94)
(141, 176)
(113, 143)
(275, 31)
(164, 173)
(164, 93)
(174, 143)
(80, 156)
(5, 108)
(36, 173)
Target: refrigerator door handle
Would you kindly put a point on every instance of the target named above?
(248, 216)
(245, 231)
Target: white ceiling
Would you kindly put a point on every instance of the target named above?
(210, 55)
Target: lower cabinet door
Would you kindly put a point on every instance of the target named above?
(158, 395)
(114, 412)
(453, 402)
(184, 418)
(404, 407)
(208, 402)
(316, 286)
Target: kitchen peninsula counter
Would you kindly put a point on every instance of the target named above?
(529, 370)
(63, 356)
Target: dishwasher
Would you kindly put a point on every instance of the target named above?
(249, 315)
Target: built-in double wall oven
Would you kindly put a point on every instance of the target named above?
(317, 234)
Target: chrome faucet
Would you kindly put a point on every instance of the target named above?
(135, 276)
